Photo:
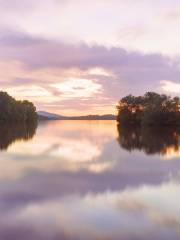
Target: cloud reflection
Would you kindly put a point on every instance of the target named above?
(74, 181)
(107, 215)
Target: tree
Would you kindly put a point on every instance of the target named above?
(16, 111)
(150, 109)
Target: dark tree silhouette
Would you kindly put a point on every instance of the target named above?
(16, 111)
(150, 109)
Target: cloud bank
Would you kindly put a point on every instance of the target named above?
(73, 61)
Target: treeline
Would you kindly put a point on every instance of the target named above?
(151, 109)
(12, 110)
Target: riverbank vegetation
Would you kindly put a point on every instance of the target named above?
(12, 110)
(151, 109)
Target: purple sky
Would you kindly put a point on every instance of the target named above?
(74, 57)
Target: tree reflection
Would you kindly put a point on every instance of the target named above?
(9, 133)
(151, 140)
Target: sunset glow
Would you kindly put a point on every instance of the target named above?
(73, 57)
(89, 119)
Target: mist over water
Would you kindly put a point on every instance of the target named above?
(89, 180)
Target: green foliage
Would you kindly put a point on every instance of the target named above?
(16, 111)
(150, 109)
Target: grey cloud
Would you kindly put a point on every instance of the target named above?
(38, 52)
(133, 72)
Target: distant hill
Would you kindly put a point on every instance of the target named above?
(51, 116)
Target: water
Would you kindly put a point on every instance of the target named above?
(89, 180)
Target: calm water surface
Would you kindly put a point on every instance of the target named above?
(89, 180)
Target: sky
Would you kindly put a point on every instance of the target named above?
(75, 57)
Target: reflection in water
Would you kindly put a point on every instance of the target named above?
(74, 181)
(9, 133)
(151, 140)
